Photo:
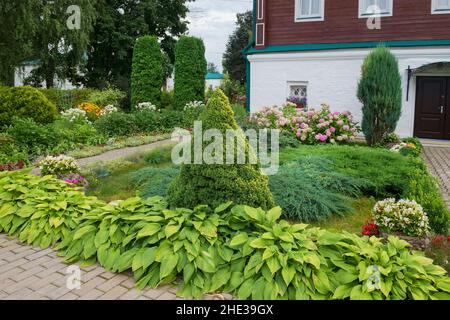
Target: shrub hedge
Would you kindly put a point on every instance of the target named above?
(237, 249)
(147, 75)
(25, 102)
(190, 71)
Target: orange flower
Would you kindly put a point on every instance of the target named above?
(91, 108)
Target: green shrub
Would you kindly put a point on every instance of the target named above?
(154, 181)
(147, 75)
(166, 100)
(110, 96)
(170, 119)
(74, 134)
(311, 191)
(213, 184)
(68, 99)
(147, 121)
(159, 156)
(190, 71)
(416, 141)
(32, 136)
(116, 124)
(237, 249)
(26, 102)
(380, 92)
(424, 188)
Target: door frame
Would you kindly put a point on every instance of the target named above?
(446, 121)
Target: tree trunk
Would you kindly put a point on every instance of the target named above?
(50, 75)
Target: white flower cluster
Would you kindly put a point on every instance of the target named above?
(59, 165)
(193, 105)
(404, 216)
(146, 106)
(109, 109)
(75, 115)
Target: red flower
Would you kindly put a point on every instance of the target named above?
(370, 229)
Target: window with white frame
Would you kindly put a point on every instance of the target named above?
(375, 8)
(309, 10)
(440, 6)
(297, 92)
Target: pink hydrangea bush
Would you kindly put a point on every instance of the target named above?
(311, 126)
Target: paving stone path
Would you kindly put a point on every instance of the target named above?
(438, 159)
(28, 273)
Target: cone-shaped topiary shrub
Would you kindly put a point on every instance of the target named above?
(147, 77)
(380, 92)
(213, 184)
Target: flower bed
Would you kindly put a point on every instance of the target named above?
(311, 126)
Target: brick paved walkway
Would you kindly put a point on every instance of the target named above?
(438, 159)
(28, 273)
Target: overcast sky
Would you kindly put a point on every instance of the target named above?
(214, 21)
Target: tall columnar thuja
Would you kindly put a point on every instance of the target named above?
(147, 77)
(380, 92)
(213, 184)
(190, 71)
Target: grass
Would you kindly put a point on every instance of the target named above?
(351, 222)
(116, 180)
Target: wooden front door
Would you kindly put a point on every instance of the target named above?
(432, 119)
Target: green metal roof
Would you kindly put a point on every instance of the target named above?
(214, 76)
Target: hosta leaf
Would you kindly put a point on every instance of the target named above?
(168, 264)
(220, 278)
(205, 263)
(25, 211)
(274, 214)
(171, 230)
(148, 257)
(245, 290)
(149, 230)
(288, 273)
(239, 239)
(83, 231)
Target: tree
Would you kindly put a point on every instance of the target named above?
(233, 61)
(380, 92)
(147, 77)
(59, 44)
(190, 71)
(214, 184)
(118, 25)
(19, 23)
(212, 68)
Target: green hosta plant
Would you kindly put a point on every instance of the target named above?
(277, 260)
(156, 243)
(40, 210)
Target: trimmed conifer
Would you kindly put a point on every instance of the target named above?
(214, 184)
(380, 92)
(190, 71)
(147, 77)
